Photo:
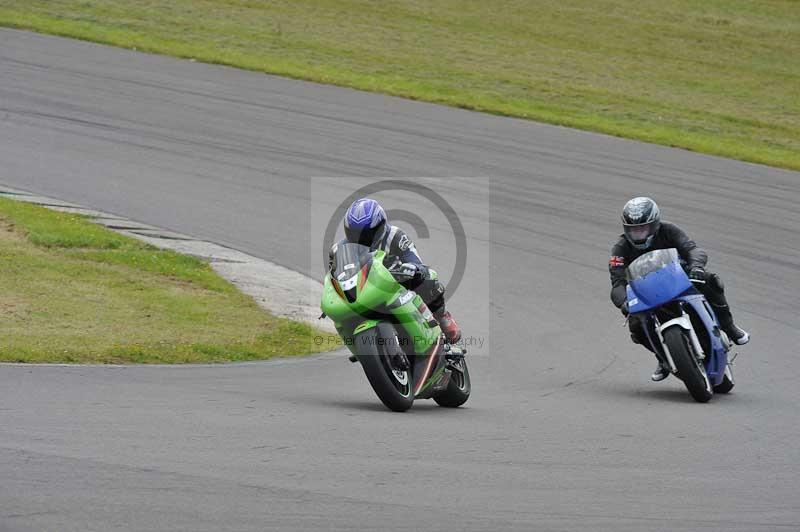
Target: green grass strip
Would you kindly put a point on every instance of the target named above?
(720, 76)
(75, 292)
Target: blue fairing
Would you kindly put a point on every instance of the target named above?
(718, 359)
(657, 279)
(657, 288)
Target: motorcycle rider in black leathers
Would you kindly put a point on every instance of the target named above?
(644, 231)
(365, 223)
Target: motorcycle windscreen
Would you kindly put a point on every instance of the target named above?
(348, 260)
(654, 279)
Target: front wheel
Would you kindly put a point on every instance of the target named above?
(393, 387)
(459, 387)
(690, 370)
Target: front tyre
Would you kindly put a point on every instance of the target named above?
(393, 387)
(459, 387)
(689, 368)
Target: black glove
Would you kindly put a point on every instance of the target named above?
(624, 309)
(697, 275)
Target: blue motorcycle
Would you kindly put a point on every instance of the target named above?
(680, 324)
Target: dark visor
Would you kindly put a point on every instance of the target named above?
(639, 233)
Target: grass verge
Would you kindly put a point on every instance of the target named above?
(75, 292)
(721, 76)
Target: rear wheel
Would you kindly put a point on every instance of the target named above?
(394, 387)
(690, 370)
(459, 387)
(727, 381)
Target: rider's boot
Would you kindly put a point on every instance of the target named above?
(450, 328)
(661, 372)
(737, 335)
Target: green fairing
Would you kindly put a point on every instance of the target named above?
(380, 293)
(433, 378)
(365, 325)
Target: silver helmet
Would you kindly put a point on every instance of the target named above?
(641, 219)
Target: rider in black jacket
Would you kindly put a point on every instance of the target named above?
(644, 231)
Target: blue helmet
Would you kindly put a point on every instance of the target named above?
(364, 222)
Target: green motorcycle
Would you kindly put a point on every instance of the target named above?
(391, 332)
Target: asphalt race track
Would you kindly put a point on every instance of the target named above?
(564, 430)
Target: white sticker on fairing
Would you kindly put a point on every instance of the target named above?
(349, 283)
(345, 273)
(634, 301)
(405, 298)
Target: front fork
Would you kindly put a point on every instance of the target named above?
(684, 322)
(660, 346)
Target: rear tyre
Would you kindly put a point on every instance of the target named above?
(727, 383)
(459, 387)
(394, 388)
(689, 368)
